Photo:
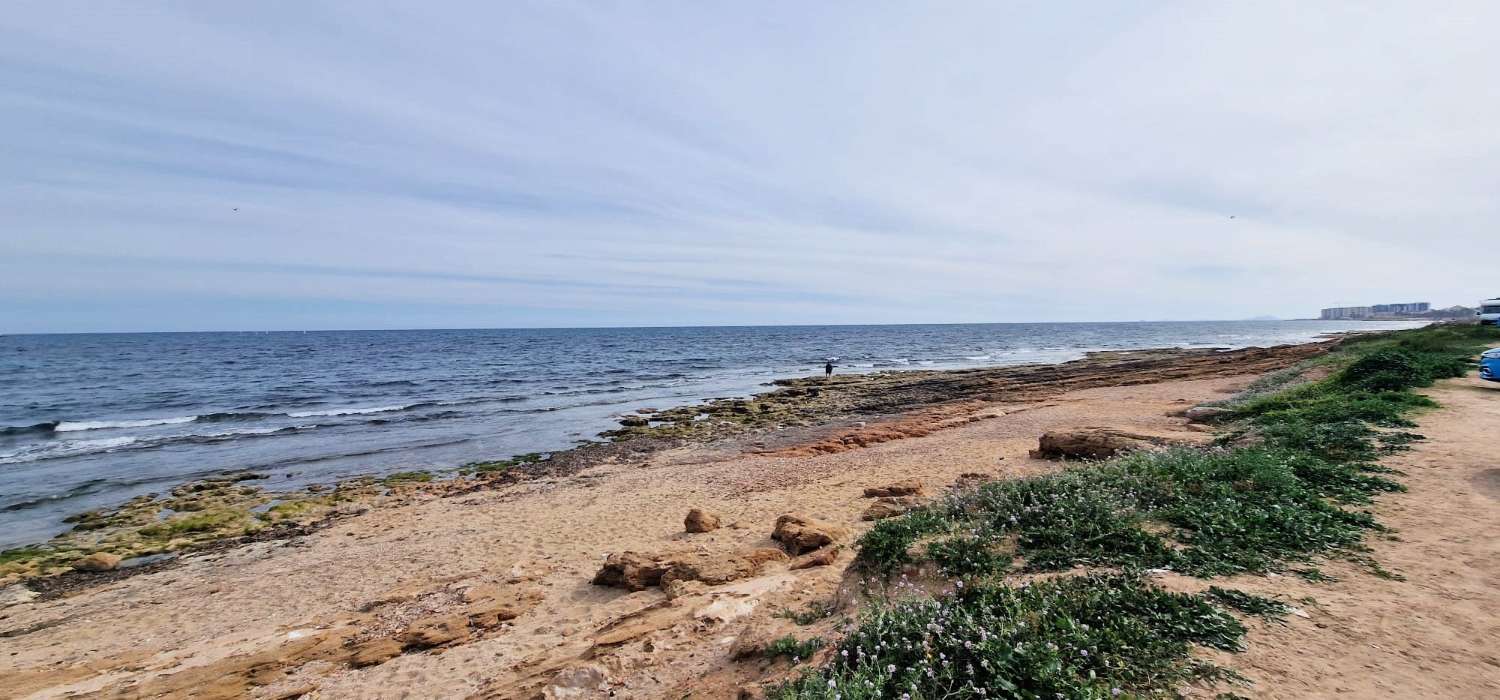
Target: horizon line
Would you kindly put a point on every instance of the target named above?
(662, 327)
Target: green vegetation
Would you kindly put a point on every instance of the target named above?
(1284, 485)
(1250, 604)
(400, 478)
(789, 646)
(1074, 637)
(501, 465)
(811, 614)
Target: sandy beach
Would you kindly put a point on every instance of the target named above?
(486, 591)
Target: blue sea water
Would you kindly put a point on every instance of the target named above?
(91, 420)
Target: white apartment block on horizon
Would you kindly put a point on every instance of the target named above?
(1357, 312)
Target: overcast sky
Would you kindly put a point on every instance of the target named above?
(266, 165)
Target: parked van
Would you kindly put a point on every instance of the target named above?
(1489, 312)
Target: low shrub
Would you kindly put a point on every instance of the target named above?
(1076, 637)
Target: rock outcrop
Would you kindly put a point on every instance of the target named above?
(1093, 443)
(98, 561)
(436, 631)
(374, 652)
(908, 487)
(631, 571)
(799, 534)
(1205, 414)
(821, 557)
(890, 507)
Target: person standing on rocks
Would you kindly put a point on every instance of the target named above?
(828, 369)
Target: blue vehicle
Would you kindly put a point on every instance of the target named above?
(1489, 365)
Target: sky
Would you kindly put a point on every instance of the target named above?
(307, 165)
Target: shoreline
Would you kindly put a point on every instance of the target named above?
(819, 412)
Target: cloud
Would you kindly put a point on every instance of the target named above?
(181, 166)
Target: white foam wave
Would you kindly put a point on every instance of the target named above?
(978, 357)
(66, 448)
(241, 431)
(75, 426)
(346, 411)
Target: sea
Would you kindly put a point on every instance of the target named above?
(91, 420)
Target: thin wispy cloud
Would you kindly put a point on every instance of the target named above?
(327, 165)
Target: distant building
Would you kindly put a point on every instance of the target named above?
(1416, 307)
(1346, 313)
(1354, 313)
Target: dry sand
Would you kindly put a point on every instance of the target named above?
(270, 619)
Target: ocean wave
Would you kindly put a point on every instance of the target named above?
(349, 411)
(59, 449)
(978, 357)
(44, 427)
(76, 426)
(66, 448)
(235, 415)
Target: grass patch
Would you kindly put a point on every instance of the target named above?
(399, 478)
(809, 615)
(793, 648)
(1249, 603)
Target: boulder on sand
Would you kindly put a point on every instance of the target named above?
(98, 561)
(889, 507)
(699, 520)
(908, 487)
(1205, 414)
(631, 571)
(798, 534)
(1092, 443)
(821, 557)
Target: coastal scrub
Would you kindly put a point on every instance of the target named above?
(1286, 484)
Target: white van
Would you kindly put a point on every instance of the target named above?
(1489, 312)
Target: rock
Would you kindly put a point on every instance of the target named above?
(699, 520)
(98, 561)
(710, 569)
(908, 487)
(821, 557)
(646, 411)
(293, 692)
(631, 571)
(765, 555)
(436, 631)
(751, 691)
(16, 594)
(799, 534)
(1092, 443)
(581, 681)
(634, 422)
(374, 652)
(752, 641)
(726, 609)
(491, 605)
(1205, 414)
(889, 507)
(679, 588)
